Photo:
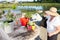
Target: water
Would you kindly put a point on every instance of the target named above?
(30, 7)
(16, 11)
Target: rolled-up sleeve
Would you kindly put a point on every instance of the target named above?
(57, 22)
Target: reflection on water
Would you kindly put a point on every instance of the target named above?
(30, 7)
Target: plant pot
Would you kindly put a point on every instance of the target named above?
(8, 28)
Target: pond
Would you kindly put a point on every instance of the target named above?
(30, 7)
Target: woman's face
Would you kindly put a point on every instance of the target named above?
(47, 15)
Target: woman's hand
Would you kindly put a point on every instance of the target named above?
(50, 34)
(55, 32)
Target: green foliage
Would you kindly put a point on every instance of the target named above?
(29, 13)
(14, 6)
(6, 24)
(1, 13)
(48, 1)
(9, 17)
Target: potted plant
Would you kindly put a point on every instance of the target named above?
(9, 18)
(8, 22)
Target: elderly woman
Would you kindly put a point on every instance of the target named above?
(53, 23)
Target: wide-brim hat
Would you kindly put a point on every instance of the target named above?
(51, 13)
(53, 9)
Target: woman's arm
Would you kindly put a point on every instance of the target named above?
(55, 32)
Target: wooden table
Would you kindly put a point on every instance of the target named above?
(28, 35)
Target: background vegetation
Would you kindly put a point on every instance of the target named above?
(46, 6)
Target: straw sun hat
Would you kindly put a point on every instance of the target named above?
(53, 9)
(51, 13)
